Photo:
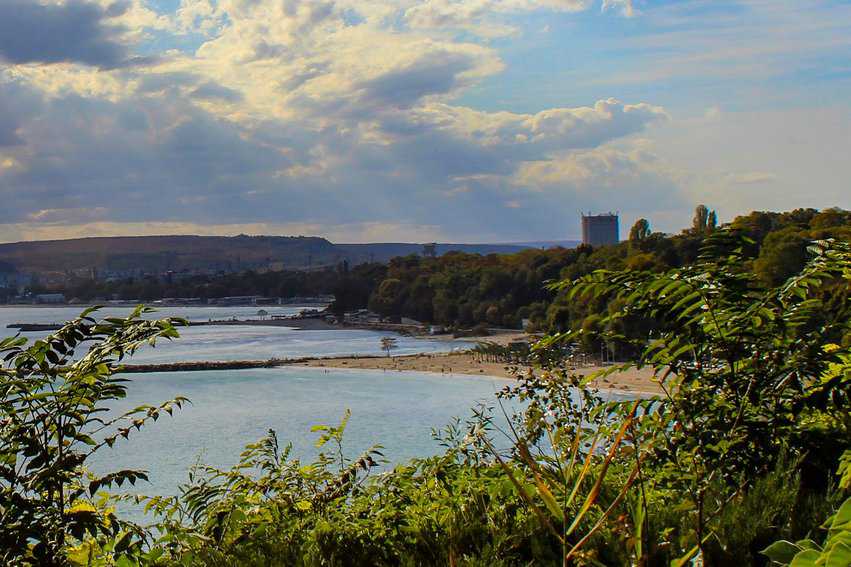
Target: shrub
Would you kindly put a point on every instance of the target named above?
(53, 395)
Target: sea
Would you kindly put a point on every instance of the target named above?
(230, 408)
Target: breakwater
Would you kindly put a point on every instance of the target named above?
(220, 365)
(300, 323)
(305, 323)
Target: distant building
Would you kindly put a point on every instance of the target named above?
(600, 230)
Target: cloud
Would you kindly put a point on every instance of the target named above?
(545, 131)
(434, 74)
(75, 31)
(469, 14)
(16, 105)
(617, 176)
(67, 216)
(156, 156)
(287, 112)
(212, 91)
(356, 116)
(625, 7)
(751, 177)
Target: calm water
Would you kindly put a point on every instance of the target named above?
(232, 408)
(218, 343)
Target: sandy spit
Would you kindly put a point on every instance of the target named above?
(632, 380)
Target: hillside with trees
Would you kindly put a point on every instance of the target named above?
(501, 290)
(131, 256)
(744, 460)
(462, 290)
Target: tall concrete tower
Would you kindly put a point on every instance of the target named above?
(600, 230)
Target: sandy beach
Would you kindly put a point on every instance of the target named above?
(639, 381)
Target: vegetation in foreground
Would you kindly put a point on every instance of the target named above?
(745, 460)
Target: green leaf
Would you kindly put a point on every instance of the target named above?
(681, 561)
(549, 500)
(781, 551)
(806, 558)
(839, 556)
(842, 518)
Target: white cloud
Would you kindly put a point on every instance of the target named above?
(470, 14)
(318, 114)
(289, 113)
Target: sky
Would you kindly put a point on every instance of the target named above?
(416, 120)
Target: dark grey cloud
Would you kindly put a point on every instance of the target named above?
(16, 106)
(76, 31)
(296, 80)
(214, 91)
(140, 159)
(156, 156)
(8, 127)
(434, 74)
(160, 82)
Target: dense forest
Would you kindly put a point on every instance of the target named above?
(501, 290)
(463, 290)
(745, 459)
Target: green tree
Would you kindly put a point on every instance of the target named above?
(751, 373)
(387, 299)
(639, 231)
(52, 420)
(388, 344)
(782, 254)
(705, 221)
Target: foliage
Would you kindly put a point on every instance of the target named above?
(465, 289)
(388, 344)
(750, 373)
(734, 454)
(461, 290)
(717, 468)
(286, 283)
(835, 551)
(53, 399)
(640, 230)
(705, 221)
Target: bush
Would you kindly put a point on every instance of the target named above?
(53, 396)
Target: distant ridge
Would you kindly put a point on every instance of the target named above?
(186, 253)
(547, 244)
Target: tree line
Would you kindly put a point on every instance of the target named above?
(462, 290)
(743, 459)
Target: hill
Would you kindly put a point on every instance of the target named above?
(163, 253)
(157, 254)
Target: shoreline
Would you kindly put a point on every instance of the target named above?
(467, 363)
(449, 364)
